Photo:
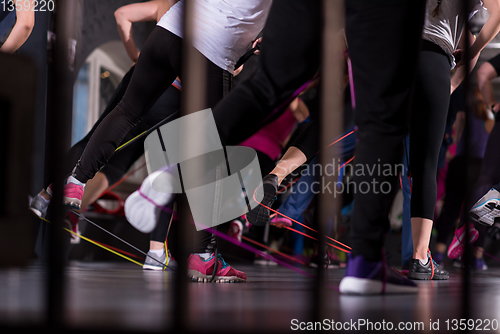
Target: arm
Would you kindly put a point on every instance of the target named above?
(485, 74)
(21, 31)
(489, 30)
(459, 74)
(136, 12)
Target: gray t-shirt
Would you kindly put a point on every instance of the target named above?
(446, 28)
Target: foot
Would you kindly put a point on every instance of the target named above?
(487, 208)
(39, 206)
(479, 264)
(457, 245)
(153, 262)
(428, 271)
(364, 278)
(259, 216)
(73, 193)
(143, 207)
(201, 270)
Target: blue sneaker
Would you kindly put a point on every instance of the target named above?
(479, 264)
(368, 278)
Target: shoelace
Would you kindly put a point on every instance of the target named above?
(224, 264)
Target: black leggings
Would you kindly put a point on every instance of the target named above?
(121, 162)
(455, 194)
(158, 66)
(427, 126)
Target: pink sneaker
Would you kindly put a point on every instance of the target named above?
(73, 194)
(235, 230)
(281, 222)
(457, 245)
(201, 270)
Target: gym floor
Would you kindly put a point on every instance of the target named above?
(122, 297)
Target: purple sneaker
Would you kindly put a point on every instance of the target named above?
(368, 278)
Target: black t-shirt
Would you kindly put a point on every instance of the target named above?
(495, 62)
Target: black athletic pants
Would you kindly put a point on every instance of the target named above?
(382, 78)
(120, 163)
(383, 39)
(157, 67)
(427, 127)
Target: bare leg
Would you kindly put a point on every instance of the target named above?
(156, 245)
(421, 229)
(94, 189)
(291, 160)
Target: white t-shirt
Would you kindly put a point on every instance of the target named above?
(446, 28)
(223, 28)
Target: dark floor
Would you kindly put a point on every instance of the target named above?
(118, 296)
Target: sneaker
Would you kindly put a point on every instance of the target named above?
(479, 264)
(487, 208)
(259, 216)
(457, 245)
(327, 262)
(235, 230)
(364, 277)
(280, 222)
(73, 193)
(494, 231)
(201, 270)
(429, 271)
(143, 207)
(153, 262)
(39, 206)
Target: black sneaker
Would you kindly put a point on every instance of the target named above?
(419, 271)
(259, 216)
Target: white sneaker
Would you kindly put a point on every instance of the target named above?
(487, 208)
(143, 207)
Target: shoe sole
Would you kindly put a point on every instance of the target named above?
(457, 248)
(426, 277)
(259, 216)
(485, 213)
(196, 276)
(73, 203)
(363, 286)
(36, 212)
(151, 267)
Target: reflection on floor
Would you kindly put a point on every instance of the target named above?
(117, 295)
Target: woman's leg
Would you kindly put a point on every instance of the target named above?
(157, 67)
(427, 128)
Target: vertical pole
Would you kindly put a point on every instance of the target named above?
(466, 296)
(331, 121)
(193, 100)
(60, 92)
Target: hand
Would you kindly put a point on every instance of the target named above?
(495, 107)
(459, 57)
(254, 44)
